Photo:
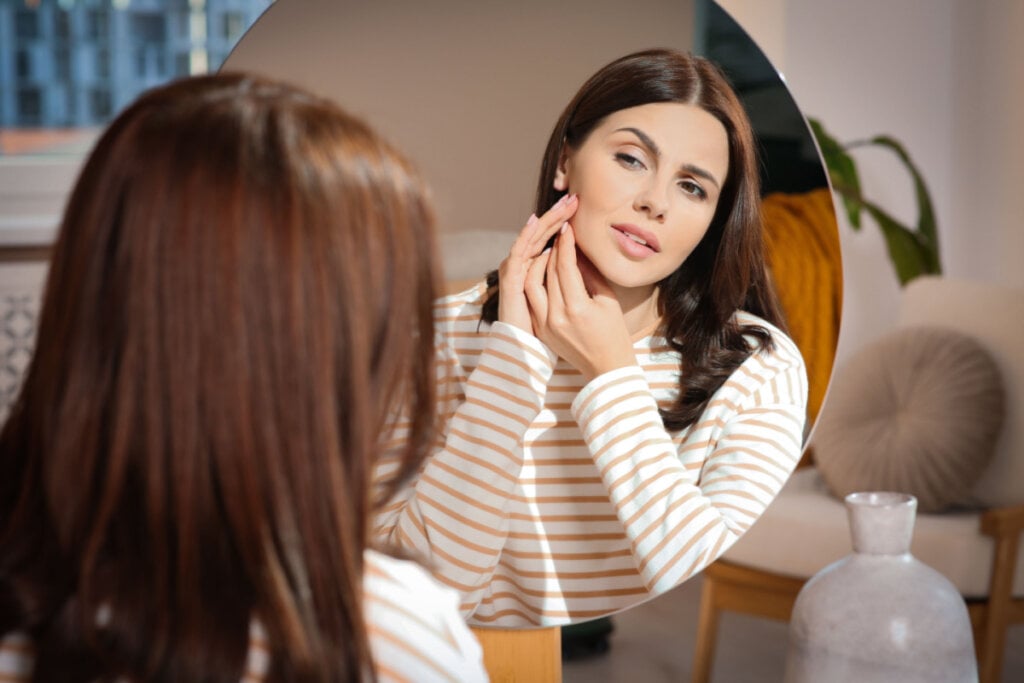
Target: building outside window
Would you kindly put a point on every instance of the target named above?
(109, 51)
(26, 24)
(30, 104)
(67, 67)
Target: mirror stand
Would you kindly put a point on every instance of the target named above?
(525, 655)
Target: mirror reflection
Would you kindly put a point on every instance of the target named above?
(619, 400)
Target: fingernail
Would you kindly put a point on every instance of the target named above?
(573, 197)
(565, 227)
(532, 219)
(561, 202)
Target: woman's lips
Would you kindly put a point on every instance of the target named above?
(632, 235)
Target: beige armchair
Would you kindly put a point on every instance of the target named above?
(805, 529)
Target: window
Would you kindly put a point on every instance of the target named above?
(84, 47)
(69, 105)
(23, 65)
(140, 62)
(30, 106)
(122, 46)
(182, 64)
(233, 26)
(97, 24)
(182, 25)
(149, 28)
(103, 63)
(99, 104)
(26, 25)
(62, 63)
(62, 25)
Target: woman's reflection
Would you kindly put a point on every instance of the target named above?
(618, 400)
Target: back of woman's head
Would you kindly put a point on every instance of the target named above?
(238, 299)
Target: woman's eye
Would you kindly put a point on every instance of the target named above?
(628, 160)
(692, 188)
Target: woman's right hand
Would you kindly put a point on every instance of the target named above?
(512, 306)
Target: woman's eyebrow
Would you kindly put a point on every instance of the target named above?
(656, 151)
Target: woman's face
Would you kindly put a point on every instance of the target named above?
(648, 180)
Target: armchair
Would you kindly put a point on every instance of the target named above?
(979, 550)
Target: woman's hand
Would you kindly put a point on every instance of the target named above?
(578, 318)
(512, 306)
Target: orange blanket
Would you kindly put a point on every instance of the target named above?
(802, 241)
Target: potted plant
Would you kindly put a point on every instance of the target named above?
(913, 250)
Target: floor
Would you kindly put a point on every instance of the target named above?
(654, 643)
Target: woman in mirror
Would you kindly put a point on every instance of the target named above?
(184, 476)
(619, 401)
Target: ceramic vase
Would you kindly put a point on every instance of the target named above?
(879, 615)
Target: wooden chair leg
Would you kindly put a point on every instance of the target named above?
(1005, 525)
(735, 588)
(997, 612)
(707, 632)
(976, 608)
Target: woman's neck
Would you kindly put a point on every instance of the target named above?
(639, 308)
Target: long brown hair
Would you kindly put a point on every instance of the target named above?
(726, 271)
(238, 299)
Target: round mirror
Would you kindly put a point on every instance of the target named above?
(470, 91)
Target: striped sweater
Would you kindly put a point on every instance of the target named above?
(548, 501)
(415, 631)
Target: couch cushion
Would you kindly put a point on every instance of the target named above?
(917, 411)
(990, 313)
(805, 529)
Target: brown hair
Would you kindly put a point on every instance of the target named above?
(239, 297)
(726, 271)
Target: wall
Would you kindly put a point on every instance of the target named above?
(988, 146)
(435, 77)
(943, 77)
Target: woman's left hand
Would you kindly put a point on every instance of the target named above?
(579, 320)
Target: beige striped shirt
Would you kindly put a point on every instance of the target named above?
(416, 632)
(549, 501)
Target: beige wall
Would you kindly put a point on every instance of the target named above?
(470, 90)
(943, 76)
(765, 21)
(987, 178)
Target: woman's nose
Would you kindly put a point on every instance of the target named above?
(652, 201)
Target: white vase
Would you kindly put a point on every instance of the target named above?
(879, 615)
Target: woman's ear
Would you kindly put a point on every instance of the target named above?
(561, 181)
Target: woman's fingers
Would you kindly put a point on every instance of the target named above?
(514, 305)
(536, 292)
(569, 277)
(551, 222)
(521, 247)
(556, 302)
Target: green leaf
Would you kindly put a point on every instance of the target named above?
(908, 253)
(926, 226)
(913, 252)
(842, 171)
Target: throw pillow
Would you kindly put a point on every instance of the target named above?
(918, 411)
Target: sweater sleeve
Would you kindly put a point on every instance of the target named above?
(682, 506)
(454, 516)
(416, 632)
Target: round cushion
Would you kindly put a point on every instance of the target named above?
(917, 411)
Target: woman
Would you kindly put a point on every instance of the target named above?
(621, 406)
(183, 476)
